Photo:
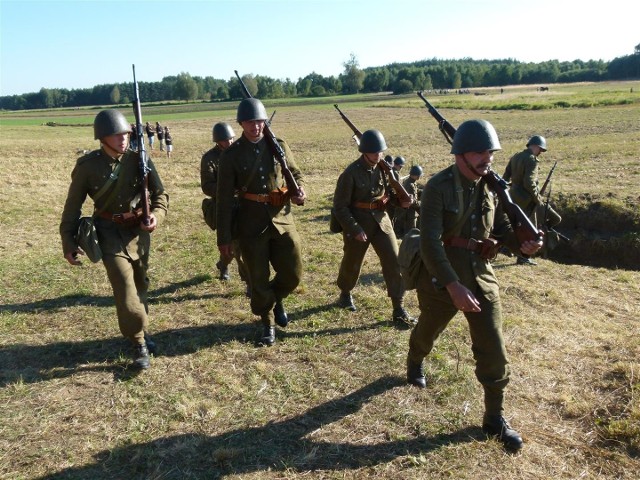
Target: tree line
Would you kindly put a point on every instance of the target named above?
(434, 74)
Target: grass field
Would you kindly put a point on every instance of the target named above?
(329, 400)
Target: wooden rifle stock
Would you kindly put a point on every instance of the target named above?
(525, 229)
(143, 158)
(401, 193)
(276, 149)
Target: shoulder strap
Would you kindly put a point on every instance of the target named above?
(112, 178)
(454, 231)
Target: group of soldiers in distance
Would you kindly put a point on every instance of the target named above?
(249, 203)
(165, 138)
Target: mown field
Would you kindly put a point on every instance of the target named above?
(329, 400)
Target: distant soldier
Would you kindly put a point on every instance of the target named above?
(168, 141)
(461, 225)
(359, 205)
(160, 133)
(407, 218)
(151, 134)
(110, 176)
(223, 136)
(522, 171)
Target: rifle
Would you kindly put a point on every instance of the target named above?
(143, 158)
(276, 149)
(546, 182)
(403, 196)
(522, 225)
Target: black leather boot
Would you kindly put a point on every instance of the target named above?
(400, 315)
(224, 271)
(151, 345)
(415, 374)
(496, 426)
(280, 315)
(268, 336)
(346, 301)
(141, 357)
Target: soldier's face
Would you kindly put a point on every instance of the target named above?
(252, 129)
(479, 162)
(116, 144)
(224, 144)
(372, 158)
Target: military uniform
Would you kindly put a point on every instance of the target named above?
(265, 231)
(359, 205)
(209, 184)
(444, 214)
(125, 249)
(407, 218)
(522, 171)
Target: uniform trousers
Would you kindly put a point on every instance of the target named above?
(130, 283)
(271, 249)
(386, 247)
(485, 328)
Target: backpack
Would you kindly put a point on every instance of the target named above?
(409, 258)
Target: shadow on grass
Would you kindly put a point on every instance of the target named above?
(34, 363)
(287, 446)
(75, 300)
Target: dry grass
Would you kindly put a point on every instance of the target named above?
(329, 400)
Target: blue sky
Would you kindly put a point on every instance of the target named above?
(79, 44)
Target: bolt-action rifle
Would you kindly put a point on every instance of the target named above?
(276, 149)
(522, 225)
(403, 196)
(143, 158)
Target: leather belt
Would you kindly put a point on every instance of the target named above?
(126, 218)
(257, 197)
(466, 243)
(375, 205)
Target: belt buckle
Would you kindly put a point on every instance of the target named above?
(473, 245)
(373, 205)
(117, 218)
(263, 197)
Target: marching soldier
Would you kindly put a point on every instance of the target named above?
(407, 218)
(124, 239)
(459, 223)
(522, 171)
(223, 136)
(263, 224)
(359, 204)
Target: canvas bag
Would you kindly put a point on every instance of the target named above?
(87, 236)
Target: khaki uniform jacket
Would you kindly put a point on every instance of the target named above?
(236, 165)
(87, 178)
(209, 171)
(441, 211)
(522, 171)
(360, 183)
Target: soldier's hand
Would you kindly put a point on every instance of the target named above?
(153, 223)
(300, 198)
(463, 299)
(530, 247)
(72, 257)
(361, 237)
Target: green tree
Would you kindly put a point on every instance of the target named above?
(352, 78)
(115, 94)
(186, 87)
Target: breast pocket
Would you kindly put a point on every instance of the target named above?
(488, 214)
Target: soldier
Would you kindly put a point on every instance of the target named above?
(223, 136)
(398, 163)
(124, 242)
(359, 205)
(160, 133)
(407, 218)
(151, 134)
(522, 171)
(458, 216)
(263, 223)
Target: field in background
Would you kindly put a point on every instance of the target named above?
(329, 400)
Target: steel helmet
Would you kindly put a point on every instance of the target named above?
(251, 109)
(539, 141)
(475, 136)
(110, 122)
(416, 170)
(399, 161)
(372, 141)
(222, 131)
